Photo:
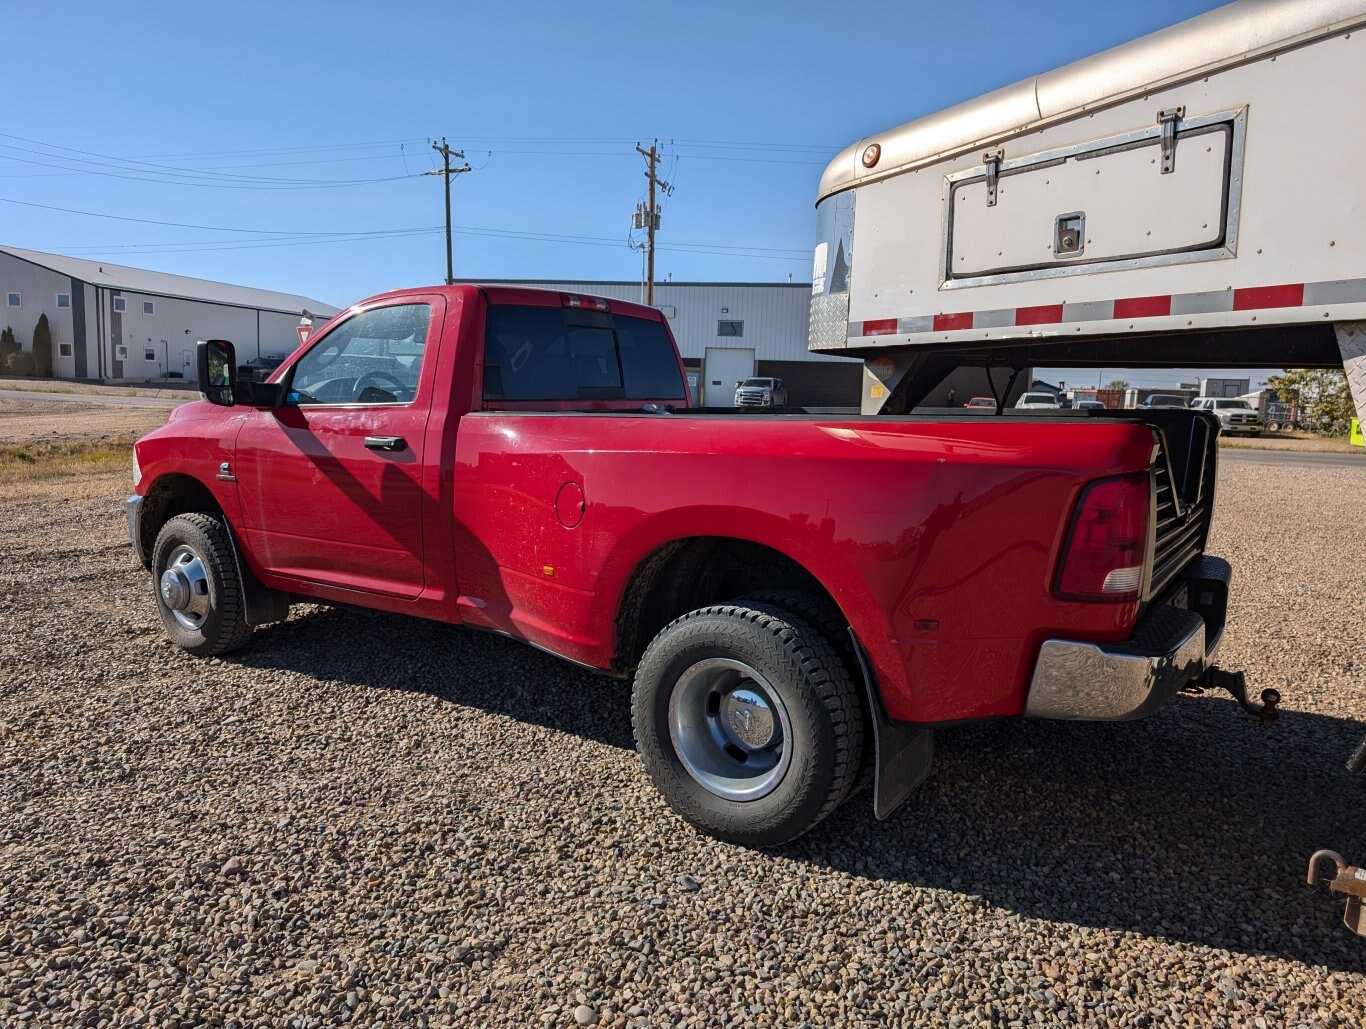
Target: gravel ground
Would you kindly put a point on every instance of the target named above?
(24, 421)
(150, 388)
(372, 820)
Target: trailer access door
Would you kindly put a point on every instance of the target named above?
(1164, 194)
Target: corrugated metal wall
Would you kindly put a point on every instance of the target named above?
(149, 345)
(38, 288)
(163, 342)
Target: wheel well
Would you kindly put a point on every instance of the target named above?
(169, 496)
(684, 575)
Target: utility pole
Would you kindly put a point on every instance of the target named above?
(648, 219)
(446, 172)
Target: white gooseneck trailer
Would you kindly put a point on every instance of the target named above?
(1193, 198)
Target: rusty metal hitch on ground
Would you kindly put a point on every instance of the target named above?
(1348, 880)
(1236, 683)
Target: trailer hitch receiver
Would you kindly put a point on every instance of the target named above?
(1236, 683)
(1346, 880)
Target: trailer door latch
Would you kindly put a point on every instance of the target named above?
(992, 159)
(1169, 120)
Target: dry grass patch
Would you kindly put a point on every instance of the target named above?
(1303, 443)
(38, 459)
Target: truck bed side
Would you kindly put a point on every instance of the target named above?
(938, 541)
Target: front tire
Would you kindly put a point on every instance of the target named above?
(198, 587)
(747, 722)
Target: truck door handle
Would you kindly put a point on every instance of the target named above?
(385, 442)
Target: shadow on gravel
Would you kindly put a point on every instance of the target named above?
(1195, 825)
(477, 669)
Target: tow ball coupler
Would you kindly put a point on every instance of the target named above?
(1348, 880)
(1236, 683)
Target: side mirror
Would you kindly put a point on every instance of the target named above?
(217, 360)
(221, 382)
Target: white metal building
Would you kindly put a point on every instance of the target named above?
(112, 323)
(728, 331)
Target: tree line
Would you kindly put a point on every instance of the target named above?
(37, 360)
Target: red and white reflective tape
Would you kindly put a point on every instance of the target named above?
(1251, 298)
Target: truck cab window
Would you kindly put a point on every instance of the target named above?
(374, 357)
(548, 353)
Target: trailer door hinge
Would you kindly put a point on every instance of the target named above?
(992, 159)
(1169, 120)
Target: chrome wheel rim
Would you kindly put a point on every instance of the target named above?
(730, 729)
(184, 588)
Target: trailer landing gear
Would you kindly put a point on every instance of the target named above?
(1236, 683)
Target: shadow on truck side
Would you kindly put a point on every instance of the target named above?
(1181, 825)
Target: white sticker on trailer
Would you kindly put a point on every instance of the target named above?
(1130, 208)
(818, 268)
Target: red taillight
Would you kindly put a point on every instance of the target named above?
(1108, 545)
(591, 303)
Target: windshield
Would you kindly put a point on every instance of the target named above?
(760, 383)
(1037, 398)
(1240, 405)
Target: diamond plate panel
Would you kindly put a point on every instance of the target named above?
(829, 325)
(1352, 344)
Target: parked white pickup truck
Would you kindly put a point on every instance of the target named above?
(1234, 415)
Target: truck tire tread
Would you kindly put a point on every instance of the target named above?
(826, 619)
(819, 686)
(227, 629)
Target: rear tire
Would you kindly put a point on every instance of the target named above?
(747, 722)
(826, 619)
(197, 585)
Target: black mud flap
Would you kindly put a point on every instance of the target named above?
(902, 753)
(263, 605)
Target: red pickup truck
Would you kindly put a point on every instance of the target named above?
(798, 599)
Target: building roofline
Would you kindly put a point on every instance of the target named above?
(21, 254)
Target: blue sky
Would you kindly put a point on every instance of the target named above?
(238, 121)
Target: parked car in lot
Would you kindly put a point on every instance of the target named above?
(1157, 400)
(1087, 405)
(761, 392)
(1234, 415)
(259, 368)
(977, 403)
(1038, 402)
(798, 600)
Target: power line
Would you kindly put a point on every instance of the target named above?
(265, 245)
(320, 237)
(253, 182)
(718, 250)
(176, 225)
(271, 164)
(123, 163)
(734, 249)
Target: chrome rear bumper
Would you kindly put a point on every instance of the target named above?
(1118, 681)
